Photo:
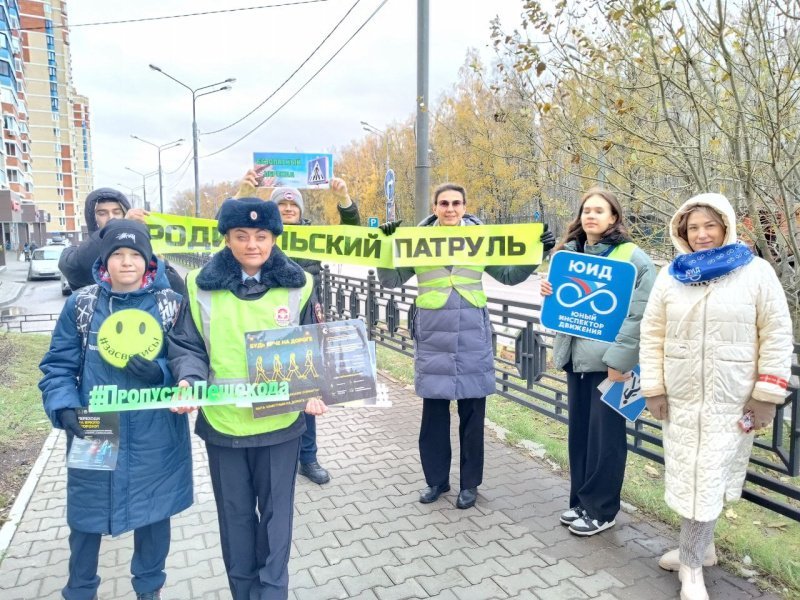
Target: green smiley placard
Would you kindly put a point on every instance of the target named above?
(128, 332)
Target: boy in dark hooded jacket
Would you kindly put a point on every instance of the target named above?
(152, 479)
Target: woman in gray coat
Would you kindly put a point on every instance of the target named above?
(453, 353)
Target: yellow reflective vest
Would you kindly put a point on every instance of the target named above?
(222, 320)
(436, 283)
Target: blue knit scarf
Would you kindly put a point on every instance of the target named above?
(707, 265)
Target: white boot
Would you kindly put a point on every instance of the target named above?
(671, 561)
(692, 585)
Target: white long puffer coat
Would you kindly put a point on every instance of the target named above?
(705, 347)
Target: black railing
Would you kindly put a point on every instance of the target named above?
(524, 374)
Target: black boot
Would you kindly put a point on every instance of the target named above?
(432, 493)
(315, 472)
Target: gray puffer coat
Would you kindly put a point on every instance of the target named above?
(589, 356)
(453, 353)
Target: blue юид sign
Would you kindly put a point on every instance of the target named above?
(591, 295)
(297, 170)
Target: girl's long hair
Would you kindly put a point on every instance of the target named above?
(575, 229)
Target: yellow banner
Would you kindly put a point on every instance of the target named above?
(408, 247)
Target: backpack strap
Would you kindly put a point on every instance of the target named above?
(85, 303)
(168, 302)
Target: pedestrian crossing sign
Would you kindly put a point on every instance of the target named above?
(318, 171)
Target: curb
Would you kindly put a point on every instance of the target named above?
(25, 494)
(20, 289)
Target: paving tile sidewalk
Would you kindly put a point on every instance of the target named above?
(364, 535)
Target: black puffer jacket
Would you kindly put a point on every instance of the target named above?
(347, 216)
(76, 262)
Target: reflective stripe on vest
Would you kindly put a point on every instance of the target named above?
(222, 320)
(623, 252)
(436, 284)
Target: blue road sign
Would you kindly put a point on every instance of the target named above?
(388, 185)
(591, 295)
(625, 397)
(373, 222)
(537, 215)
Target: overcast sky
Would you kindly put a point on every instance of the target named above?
(372, 79)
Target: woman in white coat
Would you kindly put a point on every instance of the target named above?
(716, 344)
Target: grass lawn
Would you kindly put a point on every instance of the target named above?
(25, 425)
(771, 542)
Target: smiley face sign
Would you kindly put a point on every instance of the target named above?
(129, 332)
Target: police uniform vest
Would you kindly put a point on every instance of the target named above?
(436, 283)
(222, 320)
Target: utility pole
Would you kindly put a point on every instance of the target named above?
(422, 181)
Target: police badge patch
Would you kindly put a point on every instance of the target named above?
(282, 316)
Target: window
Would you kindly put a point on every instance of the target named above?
(60, 191)
(54, 104)
(62, 221)
(60, 177)
(11, 149)
(12, 175)
(57, 132)
(61, 206)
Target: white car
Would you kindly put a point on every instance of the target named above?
(44, 263)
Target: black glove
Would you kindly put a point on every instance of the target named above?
(390, 227)
(69, 421)
(144, 370)
(548, 239)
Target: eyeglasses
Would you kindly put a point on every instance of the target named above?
(448, 203)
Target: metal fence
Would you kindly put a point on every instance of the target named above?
(524, 374)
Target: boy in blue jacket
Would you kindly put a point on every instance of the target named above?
(153, 477)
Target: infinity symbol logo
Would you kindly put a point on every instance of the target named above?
(571, 294)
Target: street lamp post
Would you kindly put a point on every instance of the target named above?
(130, 189)
(195, 96)
(385, 135)
(159, 148)
(144, 176)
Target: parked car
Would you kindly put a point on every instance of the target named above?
(44, 263)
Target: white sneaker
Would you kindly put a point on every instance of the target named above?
(568, 517)
(692, 585)
(587, 526)
(671, 561)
